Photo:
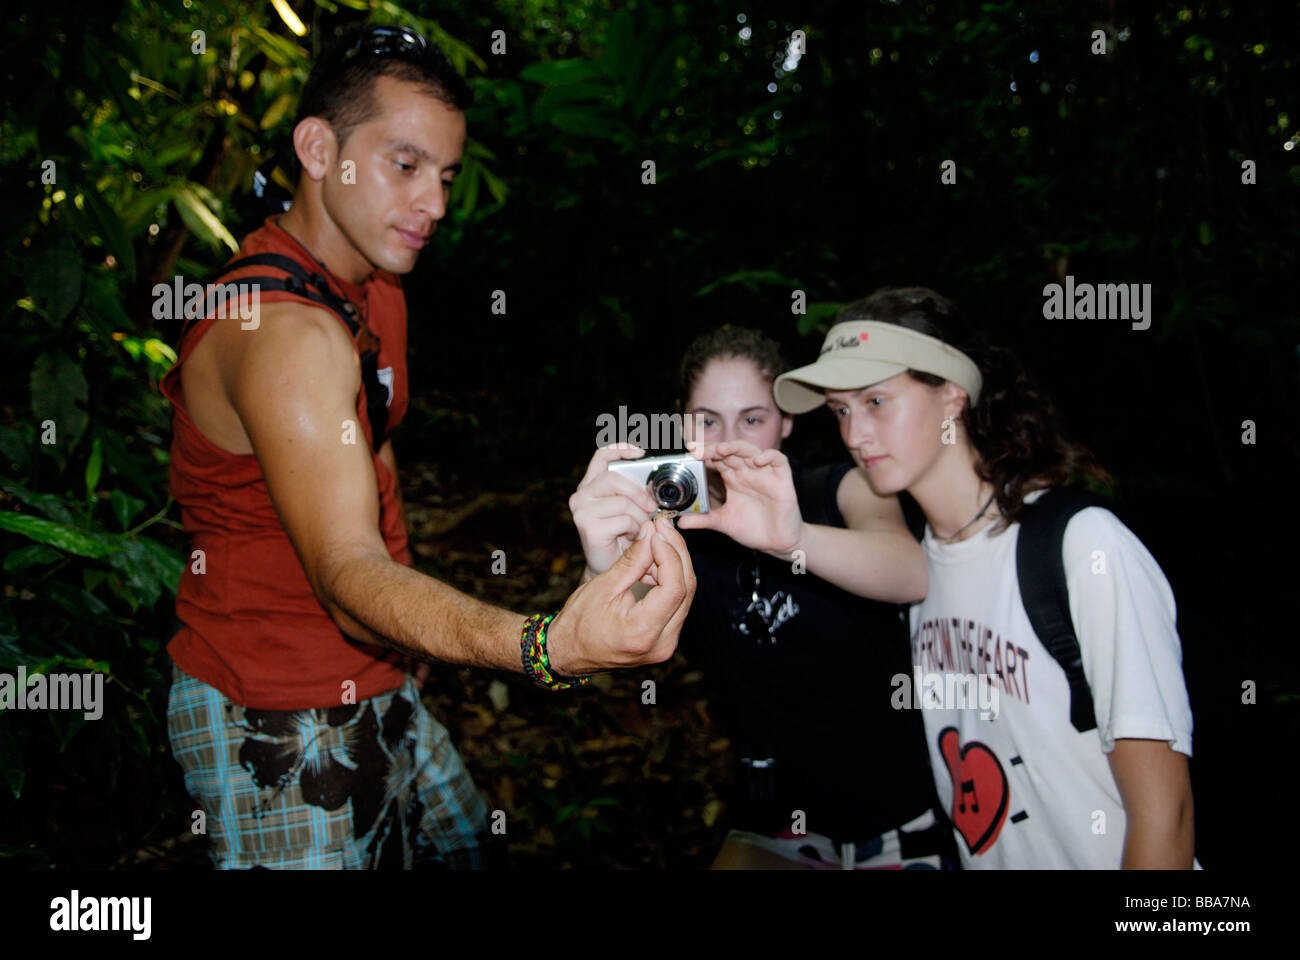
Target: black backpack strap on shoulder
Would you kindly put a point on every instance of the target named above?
(1040, 567)
(314, 287)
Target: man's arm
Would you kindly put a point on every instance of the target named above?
(390, 461)
(1156, 789)
(293, 383)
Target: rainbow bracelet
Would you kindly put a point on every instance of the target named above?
(537, 663)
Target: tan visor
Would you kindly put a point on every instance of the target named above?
(862, 352)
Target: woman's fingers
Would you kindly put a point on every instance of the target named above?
(603, 457)
(605, 492)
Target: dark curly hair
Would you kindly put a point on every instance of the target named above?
(727, 342)
(1019, 439)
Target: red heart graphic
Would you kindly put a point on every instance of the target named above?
(863, 336)
(979, 790)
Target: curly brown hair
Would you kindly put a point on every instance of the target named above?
(1019, 439)
(727, 342)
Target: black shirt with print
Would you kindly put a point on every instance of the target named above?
(817, 699)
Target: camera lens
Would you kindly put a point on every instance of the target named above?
(673, 486)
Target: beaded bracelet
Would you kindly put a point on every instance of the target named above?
(537, 662)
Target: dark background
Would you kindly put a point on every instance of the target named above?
(1117, 168)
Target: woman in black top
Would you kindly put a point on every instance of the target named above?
(828, 773)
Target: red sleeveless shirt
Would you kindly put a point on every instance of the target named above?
(251, 625)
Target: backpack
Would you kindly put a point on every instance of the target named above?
(1040, 567)
(315, 287)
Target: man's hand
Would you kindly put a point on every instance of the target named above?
(762, 510)
(603, 626)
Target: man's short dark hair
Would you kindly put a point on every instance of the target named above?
(340, 88)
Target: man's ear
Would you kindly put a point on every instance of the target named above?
(316, 146)
(787, 424)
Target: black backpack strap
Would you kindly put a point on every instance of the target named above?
(1040, 567)
(314, 287)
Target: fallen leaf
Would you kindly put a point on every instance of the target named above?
(711, 811)
(499, 694)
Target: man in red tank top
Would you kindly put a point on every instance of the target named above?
(300, 731)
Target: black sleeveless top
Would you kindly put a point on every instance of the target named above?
(817, 699)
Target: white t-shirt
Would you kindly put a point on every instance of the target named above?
(1023, 787)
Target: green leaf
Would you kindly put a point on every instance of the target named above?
(160, 352)
(125, 507)
(57, 387)
(94, 467)
(752, 279)
(593, 95)
(147, 569)
(68, 539)
(658, 79)
(561, 71)
(15, 448)
(587, 123)
(50, 505)
(110, 227)
(27, 556)
(276, 112)
(54, 276)
(167, 563)
(818, 315)
(278, 50)
(135, 466)
(66, 723)
(200, 219)
(80, 605)
(10, 655)
(496, 186)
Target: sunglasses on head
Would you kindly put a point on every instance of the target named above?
(388, 42)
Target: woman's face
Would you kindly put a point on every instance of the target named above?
(733, 401)
(895, 429)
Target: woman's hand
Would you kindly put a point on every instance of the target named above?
(762, 511)
(608, 509)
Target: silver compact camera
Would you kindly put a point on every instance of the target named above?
(676, 482)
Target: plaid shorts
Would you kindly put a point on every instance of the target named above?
(364, 786)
